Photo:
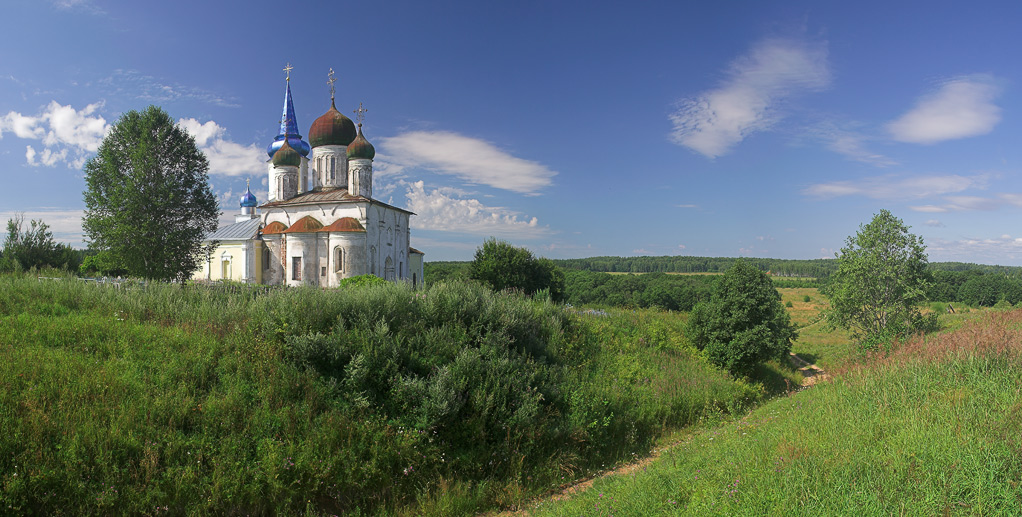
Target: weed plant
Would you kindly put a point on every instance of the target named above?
(375, 399)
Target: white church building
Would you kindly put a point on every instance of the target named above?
(321, 223)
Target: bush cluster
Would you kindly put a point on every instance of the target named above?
(360, 400)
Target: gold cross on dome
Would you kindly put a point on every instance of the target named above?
(360, 113)
(331, 81)
(287, 70)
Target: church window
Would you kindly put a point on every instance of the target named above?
(296, 268)
(338, 259)
(400, 269)
(372, 260)
(322, 271)
(266, 258)
(225, 267)
(388, 272)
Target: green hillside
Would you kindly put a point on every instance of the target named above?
(370, 400)
(935, 428)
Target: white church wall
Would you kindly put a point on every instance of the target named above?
(327, 159)
(348, 256)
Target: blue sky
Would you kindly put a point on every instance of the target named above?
(767, 129)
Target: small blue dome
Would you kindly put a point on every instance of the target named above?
(249, 200)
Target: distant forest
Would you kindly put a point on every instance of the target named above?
(589, 281)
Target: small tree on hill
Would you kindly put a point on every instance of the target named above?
(501, 266)
(148, 201)
(743, 323)
(881, 278)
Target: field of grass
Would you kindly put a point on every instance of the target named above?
(378, 400)
(934, 428)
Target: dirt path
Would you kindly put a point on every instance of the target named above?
(811, 374)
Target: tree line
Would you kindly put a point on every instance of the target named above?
(813, 268)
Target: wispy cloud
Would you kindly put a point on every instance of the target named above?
(226, 158)
(850, 143)
(747, 101)
(959, 108)
(147, 88)
(894, 187)
(86, 6)
(441, 209)
(971, 203)
(66, 134)
(934, 223)
(470, 159)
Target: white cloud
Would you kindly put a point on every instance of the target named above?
(893, 187)
(226, 158)
(960, 108)
(440, 210)
(747, 101)
(995, 250)
(934, 223)
(68, 135)
(203, 132)
(470, 159)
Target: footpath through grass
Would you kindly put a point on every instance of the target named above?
(377, 400)
(935, 428)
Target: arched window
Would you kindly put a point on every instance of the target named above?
(338, 259)
(266, 258)
(372, 260)
(388, 273)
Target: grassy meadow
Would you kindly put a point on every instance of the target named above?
(378, 400)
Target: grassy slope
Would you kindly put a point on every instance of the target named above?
(935, 428)
(166, 400)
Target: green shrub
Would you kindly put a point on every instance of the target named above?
(743, 323)
(806, 299)
(788, 304)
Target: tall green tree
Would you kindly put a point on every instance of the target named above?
(880, 280)
(148, 200)
(501, 266)
(743, 323)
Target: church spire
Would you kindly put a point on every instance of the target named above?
(288, 122)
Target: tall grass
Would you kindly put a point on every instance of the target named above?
(157, 399)
(933, 428)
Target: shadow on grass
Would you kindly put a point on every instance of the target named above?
(777, 377)
(809, 358)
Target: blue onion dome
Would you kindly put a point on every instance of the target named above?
(296, 142)
(248, 200)
(360, 147)
(287, 156)
(333, 128)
